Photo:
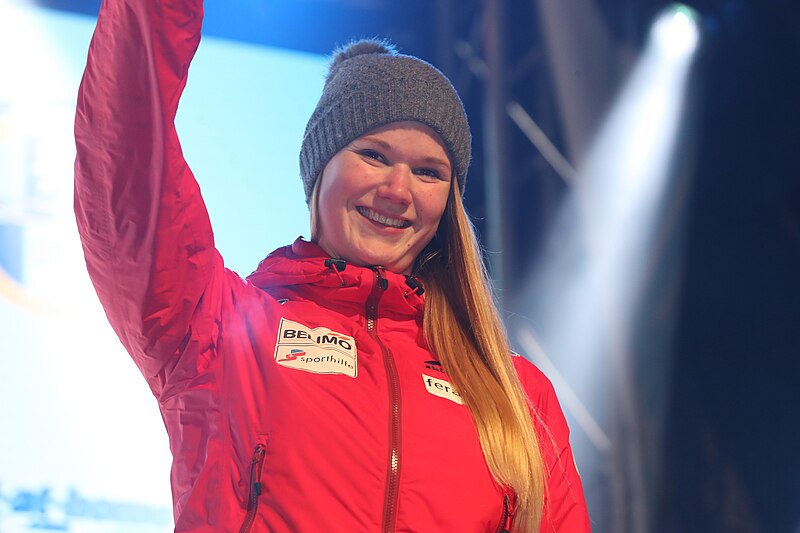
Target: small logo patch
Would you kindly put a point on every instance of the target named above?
(317, 350)
(442, 389)
(434, 365)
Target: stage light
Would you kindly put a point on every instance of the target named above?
(586, 294)
(676, 32)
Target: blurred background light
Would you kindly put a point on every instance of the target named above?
(676, 31)
(592, 275)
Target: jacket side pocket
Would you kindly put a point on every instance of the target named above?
(256, 465)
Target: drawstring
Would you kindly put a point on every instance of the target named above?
(416, 286)
(337, 265)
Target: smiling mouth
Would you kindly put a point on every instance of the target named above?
(380, 219)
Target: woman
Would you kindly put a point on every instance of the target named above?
(357, 382)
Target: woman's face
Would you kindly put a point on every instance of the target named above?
(381, 197)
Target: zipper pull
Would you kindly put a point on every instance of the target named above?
(383, 283)
(255, 470)
(256, 488)
(508, 514)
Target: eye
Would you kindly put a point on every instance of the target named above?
(428, 173)
(372, 154)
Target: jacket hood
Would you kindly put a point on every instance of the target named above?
(305, 270)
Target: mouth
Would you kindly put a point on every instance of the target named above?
(383, 220)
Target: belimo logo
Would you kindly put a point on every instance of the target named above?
(317, 350)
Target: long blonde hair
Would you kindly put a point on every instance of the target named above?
(463, 329)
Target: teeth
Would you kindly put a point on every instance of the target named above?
(380, 219)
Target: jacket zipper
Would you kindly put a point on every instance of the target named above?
(256, 464)
(505, 521)
(393, 470)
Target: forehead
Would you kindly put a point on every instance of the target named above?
(409, 134)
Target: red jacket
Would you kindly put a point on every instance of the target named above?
(303, 399)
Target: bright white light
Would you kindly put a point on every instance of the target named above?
(602, 252)
(675, 31)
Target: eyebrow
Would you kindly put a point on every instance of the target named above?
(430, 160)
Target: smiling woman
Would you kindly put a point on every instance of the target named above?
(380, 198)
(361, 381)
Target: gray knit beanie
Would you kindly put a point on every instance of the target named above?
(369, 85)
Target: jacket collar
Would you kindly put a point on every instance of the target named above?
(305, 270)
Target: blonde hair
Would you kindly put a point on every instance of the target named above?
(463, 329)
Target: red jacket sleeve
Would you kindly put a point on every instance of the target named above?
(565, 506)
(144, 227)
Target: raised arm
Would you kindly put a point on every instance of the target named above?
(145, 230)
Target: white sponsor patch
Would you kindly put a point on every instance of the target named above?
(441, 388)
(317, 350)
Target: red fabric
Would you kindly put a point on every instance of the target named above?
(237, 408)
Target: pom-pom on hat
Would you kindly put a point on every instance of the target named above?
(369, 85)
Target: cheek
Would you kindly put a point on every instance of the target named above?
(434, 207)
(344, 182)
(332, 197)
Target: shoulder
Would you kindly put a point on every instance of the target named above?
(541, 395)
(535, 383)
(565, 506)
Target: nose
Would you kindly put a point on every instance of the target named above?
(396, 185)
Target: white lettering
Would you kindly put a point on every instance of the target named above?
(318, 350)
